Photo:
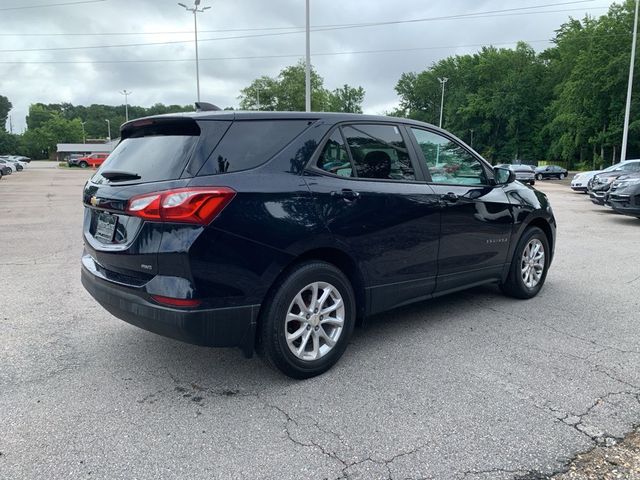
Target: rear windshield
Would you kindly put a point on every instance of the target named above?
(250, 143)
(153, 153)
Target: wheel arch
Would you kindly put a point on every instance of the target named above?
(545, 226)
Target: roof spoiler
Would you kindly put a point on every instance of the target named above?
(206, 107)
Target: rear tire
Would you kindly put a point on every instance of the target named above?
(561, 176)
(83, 164)
(539, 176)
(528, 270)
(532, 183)
(295, 336)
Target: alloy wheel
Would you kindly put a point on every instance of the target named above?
(532, 263)
(314, 321)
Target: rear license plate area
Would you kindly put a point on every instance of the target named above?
(106, 227)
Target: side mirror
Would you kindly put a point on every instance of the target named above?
(504, 176)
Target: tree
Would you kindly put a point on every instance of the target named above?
(496, 93)
(346, 99)
(566, 103)
(286, 92)
(5, 108)
(8, 143)
(40, 142)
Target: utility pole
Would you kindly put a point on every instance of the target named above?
(109, 128)
(195, 9)
(307, 76)
(257, 98)
(627, 112)
(471, 138)
(126, 104)
(84, 136)
(10, 125)
(442, 81)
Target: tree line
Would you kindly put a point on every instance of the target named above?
(50, 124)
(564, 104)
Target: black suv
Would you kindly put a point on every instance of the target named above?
(624, 196)
(280, 230)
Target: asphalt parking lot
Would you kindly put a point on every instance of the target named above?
(470, 386)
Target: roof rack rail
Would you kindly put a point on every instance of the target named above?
(206, 107)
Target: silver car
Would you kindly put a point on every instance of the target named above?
(524, 173)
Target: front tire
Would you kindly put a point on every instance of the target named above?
(84, 164)
(306, 325)
(529, 266)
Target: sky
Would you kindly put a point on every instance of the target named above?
(271, 35)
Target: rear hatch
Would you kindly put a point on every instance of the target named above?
(154, 155)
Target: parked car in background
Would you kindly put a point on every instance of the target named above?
(580, 182)
(6, 169)
(18, 164)
(524, 173)
(73, 160)
(20, 158)
(600, 184)
(231, 228)
(11, 165)
(551, 171)
(94, 160)
(624, 196)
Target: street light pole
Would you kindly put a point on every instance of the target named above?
(471, 138)
(126, 104)
(257, 98)
(84, 137)
(195, 10)
(307, 76)
(627, 111)
(109, 128)
(442, 81)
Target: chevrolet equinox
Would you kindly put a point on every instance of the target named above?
(278, 231)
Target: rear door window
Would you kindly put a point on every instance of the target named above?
(379, 152)
(250, 143)
(154, 152)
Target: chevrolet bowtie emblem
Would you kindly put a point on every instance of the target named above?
(94, 201)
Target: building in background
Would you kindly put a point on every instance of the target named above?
(64, 150)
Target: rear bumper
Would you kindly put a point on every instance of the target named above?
(220, 327)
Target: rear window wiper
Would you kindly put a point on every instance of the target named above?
(119, 176)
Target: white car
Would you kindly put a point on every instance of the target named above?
(10, 164)
(580, 182)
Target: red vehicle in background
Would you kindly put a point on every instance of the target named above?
(94, 160)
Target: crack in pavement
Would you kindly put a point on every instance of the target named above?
(333, 454)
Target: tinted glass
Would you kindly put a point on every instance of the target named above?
(153, 158)
(248, 144)
(379, 152)
(632, 167)
(334, 158)
(447, 161)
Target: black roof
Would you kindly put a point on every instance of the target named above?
(264, 115)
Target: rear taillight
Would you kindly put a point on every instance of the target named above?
(197, 205)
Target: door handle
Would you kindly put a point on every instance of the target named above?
(346, 194)
(449, 197)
